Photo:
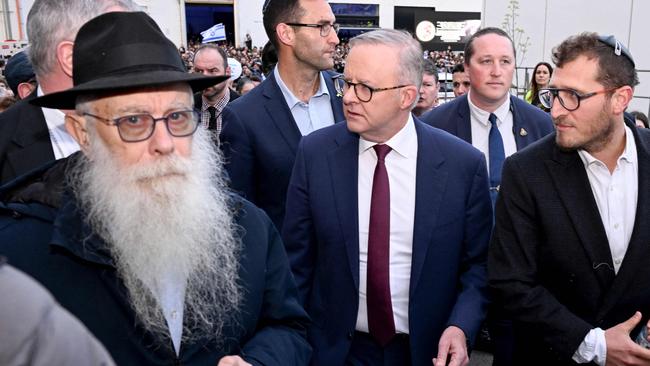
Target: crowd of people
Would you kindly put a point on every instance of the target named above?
(323, 217)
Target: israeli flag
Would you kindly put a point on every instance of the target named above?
(216, 33)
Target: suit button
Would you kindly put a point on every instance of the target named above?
(350, 335)
(15, 214)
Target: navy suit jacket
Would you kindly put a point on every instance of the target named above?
(260, 139)
(453, 220)
(529, 123)
(24, 140)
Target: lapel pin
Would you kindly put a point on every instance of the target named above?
(523, 132)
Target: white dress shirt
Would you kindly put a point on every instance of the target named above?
(481, 128)
(63, 144)
(616, 195)
(316, 113)
(401, 165)
(171, 296)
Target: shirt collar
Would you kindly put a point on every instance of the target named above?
(483, 116)
(54, 117)
(404, 142)
(291, 99)
(628, 155)
(219, 104)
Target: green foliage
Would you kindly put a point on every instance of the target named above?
(517, 33)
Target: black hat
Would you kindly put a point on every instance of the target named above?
(123, 50)
(619, 48)
(18, 70)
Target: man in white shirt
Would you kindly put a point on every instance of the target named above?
(31, 136)
(568, 256)
(388, 221)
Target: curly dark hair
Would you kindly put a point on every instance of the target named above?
(614, 71)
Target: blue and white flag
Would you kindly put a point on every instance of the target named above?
(216, 33)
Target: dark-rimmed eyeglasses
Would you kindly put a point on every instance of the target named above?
(324, 28)
(569, 98)
(140, 127)
(362, 91)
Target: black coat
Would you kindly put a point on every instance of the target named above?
(57, 248)
(550, 264)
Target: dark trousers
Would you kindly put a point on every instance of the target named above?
(365, 351)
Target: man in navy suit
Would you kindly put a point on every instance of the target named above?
(390, 264)
(490, 64)
(262, 129)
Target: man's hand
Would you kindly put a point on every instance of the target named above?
(452, 344)
(233, 361)
(621, 350)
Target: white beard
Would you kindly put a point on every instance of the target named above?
(168, 217)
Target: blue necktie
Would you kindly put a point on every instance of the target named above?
(497, 157)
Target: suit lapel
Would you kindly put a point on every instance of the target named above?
(335, 98)
(343, 163)
(570, 178)
(280, 114)
(464, 126)
(519, 125)
(638, 249)
(32, 139)
(430, 184)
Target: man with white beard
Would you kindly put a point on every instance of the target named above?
(137, 235)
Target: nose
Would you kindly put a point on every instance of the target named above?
(161, 142)
(557, 110)
(334, 38)
(349, 96)
(496, 69)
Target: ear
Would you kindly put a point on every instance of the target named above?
(285, 34)
(64, 56)
(25, 89)
(409, 96)
(621, 98)
(228, 70)
(76, 127)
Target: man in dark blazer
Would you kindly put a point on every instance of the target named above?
(568, 259)
(432, 240)
(31, 136)
(260, 137)
(490, 64)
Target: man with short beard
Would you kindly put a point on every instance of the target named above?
(212, 60)
(262, 129)
(568, 258)
(136, 235)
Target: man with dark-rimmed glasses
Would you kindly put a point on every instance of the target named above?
(388, 221)
(569, 253)
(137, 234)
(261, 131)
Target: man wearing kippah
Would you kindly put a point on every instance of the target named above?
(137, 235)
(568, 259)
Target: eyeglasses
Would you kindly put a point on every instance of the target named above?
(569, 98)
(140, 127)
(324, 28)
(362, 91)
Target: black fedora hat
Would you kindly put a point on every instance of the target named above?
(123, 50)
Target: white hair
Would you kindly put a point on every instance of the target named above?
(51, 22)
(410, 66)
(168, 219)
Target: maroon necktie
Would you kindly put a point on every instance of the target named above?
(380, 310)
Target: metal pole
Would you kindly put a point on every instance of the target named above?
(7, 19)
